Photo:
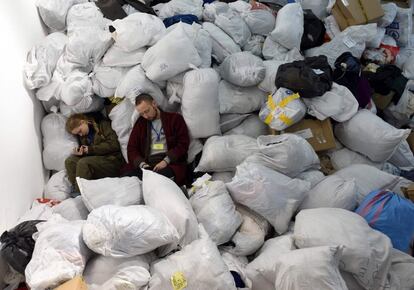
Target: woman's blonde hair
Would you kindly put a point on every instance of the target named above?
(75, 120)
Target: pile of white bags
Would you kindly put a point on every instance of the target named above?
(199, 104)
(275, 51)
(76, 87)
(72, 209)
(259, 21)
(115, 56)
(252, 127)
(58, 187)
(121, 191)
(127, 231)
(313, 176)
(287, 153)
(211, 10)
(84, 15)
(59, 254)
(215, 210)
(269, 193)
(57, 142)
(366, 252)
(268, 83)
(230, 121)
(344, 157)
(177, 7)
(234, 25)
(86, 105)
(254, 45)
(105, 79)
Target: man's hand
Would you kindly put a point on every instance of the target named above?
(78, 151)
(161, 165)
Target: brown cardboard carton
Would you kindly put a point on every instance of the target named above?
(356, 12)
(382, 101)
(339, 17)
(76, 283)
(318, 133)
(409, 192)
(410, 141)
(372, 10)
(352, 11)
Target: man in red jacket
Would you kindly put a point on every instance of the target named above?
(159, 141)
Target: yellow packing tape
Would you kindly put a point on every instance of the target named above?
(283, 103)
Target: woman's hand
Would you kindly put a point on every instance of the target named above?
(78, 151)
(85, 149)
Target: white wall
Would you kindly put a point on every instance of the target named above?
(22, 176)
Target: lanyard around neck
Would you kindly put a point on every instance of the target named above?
(157, 133)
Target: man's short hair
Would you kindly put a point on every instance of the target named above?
(143, 98)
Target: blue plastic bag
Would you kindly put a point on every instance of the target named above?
(186, 18)
(390, 214)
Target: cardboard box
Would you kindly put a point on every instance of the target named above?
(372, 10)
(76, 283)
(356, 12)
(409, 192)
(410, 141)
(381, 101)
(318, 133)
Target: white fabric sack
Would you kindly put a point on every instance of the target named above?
(289, 26)
(405, 106)
(41, 60)
(177, 7)
(59, 254)
(368, 179)
(368, 134)
(105, 79)
(115, 56)
(120, 116)
(51, 91)
(135, 82)
(352, 39)
(72, 209)
(57, 142)
(120, 191)
(237, 264)
(287, 153)
(313, 176)
(38, 211)
(174, 92)
(254, 45)
(225, 176)
(339, 103)
(401, 28)
(252, 127)
(197, 266)
(224, 153)
(344, 157)
(240, 6)
(86, 105)
(199, 104)
(230, 121)
(377, 40)
(402, 270)
(269, 193)
(333, 191)
(251, 234)
(403, 157)
(239, 100)
(58, 186)
(223, 45)
(211, 10)
(171, 55)
(164, 195)
(268, 83)
(216, 211)
(53, 13)
(366, 253)
(318, 7)
(127, 231)
(194, 149)
(77, 86)
(260, 21)
(234, 25)
(85, 15)
(408, 71)
(313, 268)
(243, 69)
(261, 271)
(282, 109)
(390, 12)
(275, 51)
(117, 273)
(137, 30)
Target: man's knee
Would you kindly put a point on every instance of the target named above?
(83, 164)
(71, 161)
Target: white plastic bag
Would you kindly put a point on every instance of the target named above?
(366, 253)
(401, 28)
(164, 195)
(197, 266)
(239, 100)
(199, 104)
(287, 153)
(215, 210)
(137, 30)
(254, 45)
(224, 153)
(339, 103)
(370, 135)
(237, 264)
(86, 105)
(72, 209)
(243, 69)
(289, 26)
(268, 83)
(211, 10)
(403, 157)
(42, 59)
(402, 270)
(120, 191)
(127, 231)
(118, 273)
(105, 79)
(225, 176)
(252, 127)
(77, 86)
(85, 15)
(344, 157)
(275, 51)
(177, 7)
(313, 176)
(230, 121)
(59, 254)
(313, 268)
(408, 71)
(115, 56)
(171, 55)
(223, 45)
(57, 142)
(58, 187)
(318, 7)
(282, 109)
(232, 24)
(269, 193)
(390, 12)
(260, 21)
(332, 191)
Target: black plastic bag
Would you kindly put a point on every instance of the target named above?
(17, 245)
(313, 31)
